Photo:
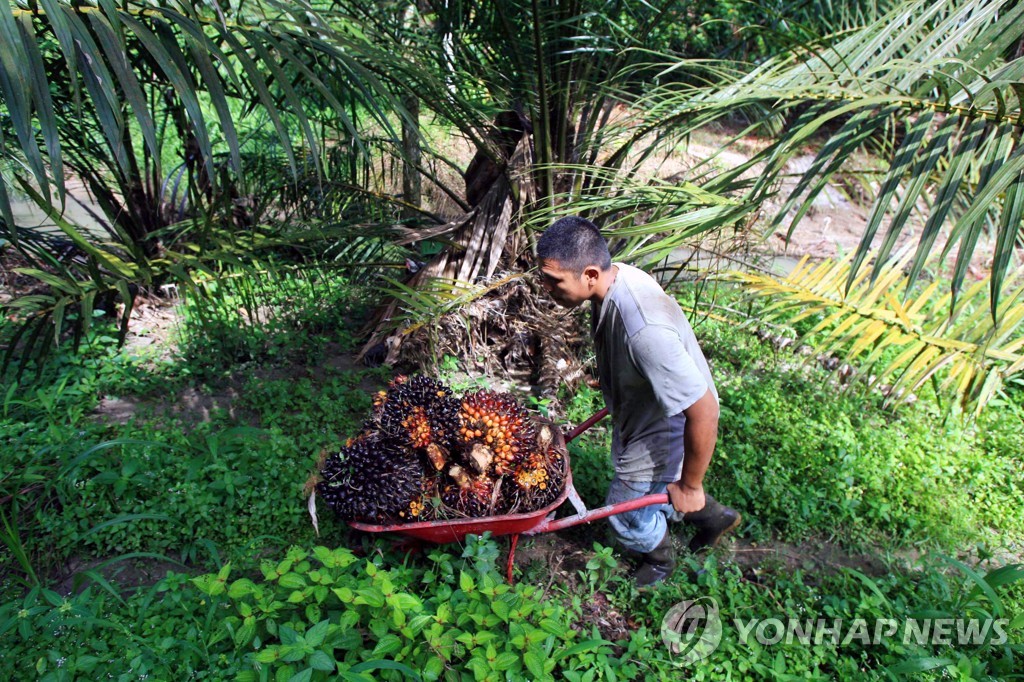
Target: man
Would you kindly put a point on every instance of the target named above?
(657, 387)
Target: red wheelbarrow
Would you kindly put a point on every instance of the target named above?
(531, 523)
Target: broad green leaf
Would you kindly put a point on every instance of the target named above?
(321, 661)
(302, 676)
(917, 665)
(583, 647)
(534, 663)
(379, 664)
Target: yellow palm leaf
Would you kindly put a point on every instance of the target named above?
(899, 338)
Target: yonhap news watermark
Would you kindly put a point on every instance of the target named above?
(845, 632)
(692, 630)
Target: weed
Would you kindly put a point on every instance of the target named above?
(797, 455)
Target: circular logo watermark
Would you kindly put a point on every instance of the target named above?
(692, 630)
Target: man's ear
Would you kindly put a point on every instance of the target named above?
(591, 274)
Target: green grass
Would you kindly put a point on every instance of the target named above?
(802, 460)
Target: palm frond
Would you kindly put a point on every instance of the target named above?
(110, 92)
(645, 220)
(897, 338)
(433, 298)
(934, 77)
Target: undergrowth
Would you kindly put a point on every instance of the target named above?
(221, 499)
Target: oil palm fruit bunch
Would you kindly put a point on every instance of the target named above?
(496, 432)
(473, 495)
(424, 454)
(539, 478)
(370, 480)
(420, 413)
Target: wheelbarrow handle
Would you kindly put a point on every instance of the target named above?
(549, 525)
(596, 417)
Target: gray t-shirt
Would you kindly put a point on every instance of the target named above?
(651, 369)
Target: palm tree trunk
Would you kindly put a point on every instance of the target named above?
(411, 188)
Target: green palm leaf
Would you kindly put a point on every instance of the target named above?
(109, 92)
(933, 75)
(647, 220)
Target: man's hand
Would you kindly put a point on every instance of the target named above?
(684, 498)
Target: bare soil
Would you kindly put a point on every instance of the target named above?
(561, 558)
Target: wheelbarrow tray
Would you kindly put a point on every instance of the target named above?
(455, 530)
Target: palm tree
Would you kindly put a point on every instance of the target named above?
(932, 88)
(162, 111)
(535, 88)
(934, 91)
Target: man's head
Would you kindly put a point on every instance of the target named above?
(575, 265)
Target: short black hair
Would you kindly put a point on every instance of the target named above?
(575, 243)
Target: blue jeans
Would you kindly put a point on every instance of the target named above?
(643, 529)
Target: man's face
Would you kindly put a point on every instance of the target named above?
(564, 286)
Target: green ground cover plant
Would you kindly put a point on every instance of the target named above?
(219, 502)
(82, 488)
(285, 312)
(424, 620)
(322, 613)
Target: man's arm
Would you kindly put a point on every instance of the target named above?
(699, 438)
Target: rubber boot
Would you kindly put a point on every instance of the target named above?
(711, 523)
(657, 564)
